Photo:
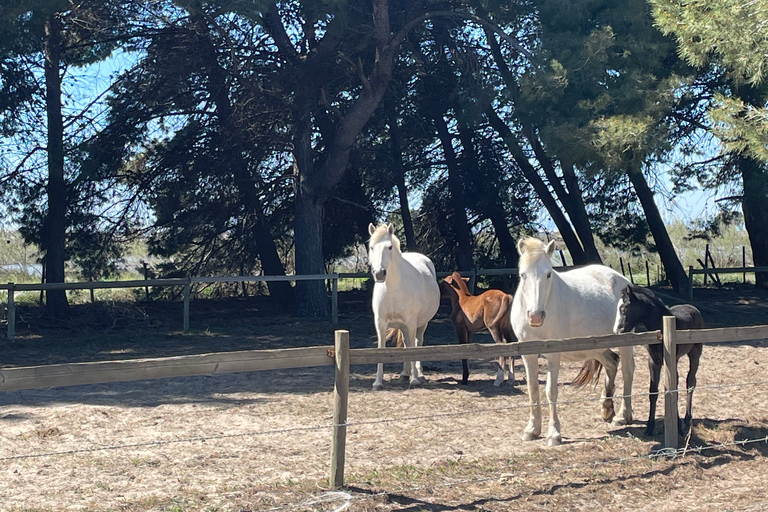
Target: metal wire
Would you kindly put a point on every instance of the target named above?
(463, 412)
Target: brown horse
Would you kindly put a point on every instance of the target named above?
(471, 313)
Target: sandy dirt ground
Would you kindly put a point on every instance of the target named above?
(260, 441)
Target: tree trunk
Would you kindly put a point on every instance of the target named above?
(581, 247)
(55, 224)
(464, 260)
(571, 199)
(397, 159)
(490, 202)
(754, 205)
(532, 176)
(672, 266)
(578, 213)
(314, 184)
(308, 227)
(244, 181)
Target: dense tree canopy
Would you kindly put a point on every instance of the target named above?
(264, 136)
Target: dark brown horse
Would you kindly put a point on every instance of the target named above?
(640, 305)
(472, 313)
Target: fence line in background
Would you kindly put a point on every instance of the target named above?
(712, 271)
(187, 282)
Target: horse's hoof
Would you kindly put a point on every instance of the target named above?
(415, 382)
(378, 386)
(620, 422)
(556, 440)
(464, 382)
(529, 436)
(404, 377)
(498, 383)
(649, 432)
(608, 412)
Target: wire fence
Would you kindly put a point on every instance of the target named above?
(395, 420)
(400, 355)
(344, 499)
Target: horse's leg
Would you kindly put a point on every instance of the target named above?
(498, 337)
(611, 367)
(533, 429)
(381, 334)
(690, 383)
(627, 358)
(418, 342)
(464, 337)
(654, 365)
(409, 340)
(553, 372)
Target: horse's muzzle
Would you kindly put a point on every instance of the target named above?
(536, 319)
(379, 276)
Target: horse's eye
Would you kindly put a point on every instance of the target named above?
(390, 247)
(549, 274)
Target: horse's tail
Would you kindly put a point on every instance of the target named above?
(398, 335)
(590, 373)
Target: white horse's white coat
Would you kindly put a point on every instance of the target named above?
(406, 295)
(549, 305)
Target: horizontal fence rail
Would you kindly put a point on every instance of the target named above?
(716, 271)
(48, 376)
(187, 282)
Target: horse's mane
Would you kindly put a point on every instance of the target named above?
(382, 232)
(649, 297)
(531, 250)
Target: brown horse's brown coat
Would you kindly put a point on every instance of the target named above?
(472, 313)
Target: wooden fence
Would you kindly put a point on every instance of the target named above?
(341, 356)
(713, 271)
(187, 282)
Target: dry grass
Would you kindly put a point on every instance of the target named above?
(261, 441)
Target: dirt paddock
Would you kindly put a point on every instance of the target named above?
(261, 441)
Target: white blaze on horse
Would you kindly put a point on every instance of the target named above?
(548, 306)
(405, 295)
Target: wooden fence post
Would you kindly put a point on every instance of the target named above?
(744, 263)
(335, 299)
(186, 304)
(690, 282)
(11, 313)
(340, 402)
(670, 395)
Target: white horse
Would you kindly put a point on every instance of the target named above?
(582, 302)
(405, 295)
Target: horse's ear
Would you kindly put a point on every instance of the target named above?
(391, 228)
(448, 279)
(521, 246)
(371, 228)
(551, 248)
(465, 279)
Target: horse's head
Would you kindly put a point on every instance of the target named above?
(535, 278)
(627, 311)
(452, 284)
(380, 247)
